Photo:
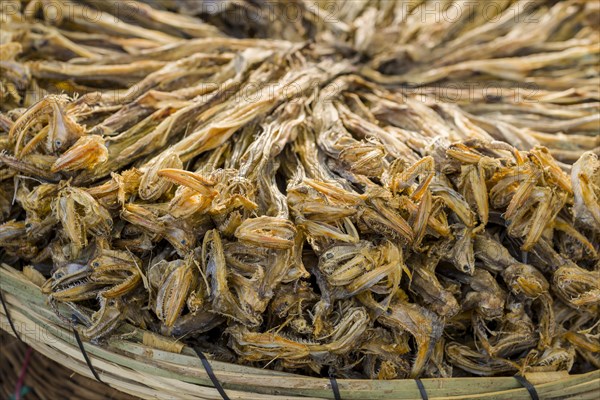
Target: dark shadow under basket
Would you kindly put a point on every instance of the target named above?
(46, 379)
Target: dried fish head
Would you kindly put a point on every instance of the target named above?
(62, 130)
(255, 346)
(473, 188)
(80, 215)
(559, 356)
(572, 243)
(342, 264)
(234, 191)
(87, 152)
(333, 192)
(577, 286)
(37, 202)
(118, 269)
(365, 158)
(525, 279)
(382, 218)
(541, 157)
(215, 269)
(484, 294)
(517, 332)
(176, 231)
(455, 202)
(532, 218)
(191, 180)
(186, 202)
(152, 185)
(475, 362)
(290, 299)
(427, 286)
(461, 253)
(316, 209)
(118, 190)
(383, 347)
(71, 283)
(106, 319)
(494, 256)
(422, 324)
(402, 179)
(585, 343)
(322, 235)
(511, 185)
(348, 330)
(270, 232)
(194, 322)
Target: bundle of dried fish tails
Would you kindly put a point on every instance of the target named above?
(385, 193)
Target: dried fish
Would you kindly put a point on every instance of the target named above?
(388, 193)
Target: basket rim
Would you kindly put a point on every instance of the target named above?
(128, 365)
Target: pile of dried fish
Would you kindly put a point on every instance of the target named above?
(370, 187)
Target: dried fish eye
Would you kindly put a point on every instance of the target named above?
(95, 264)
(58, 142)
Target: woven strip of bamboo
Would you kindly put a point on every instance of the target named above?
(46, 379)
(128, 365)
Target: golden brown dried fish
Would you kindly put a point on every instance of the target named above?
(385, 192)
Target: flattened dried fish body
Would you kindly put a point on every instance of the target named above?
(176, 285)
(492, 253)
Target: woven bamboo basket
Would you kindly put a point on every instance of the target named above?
(45, 379)
(151, 367)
